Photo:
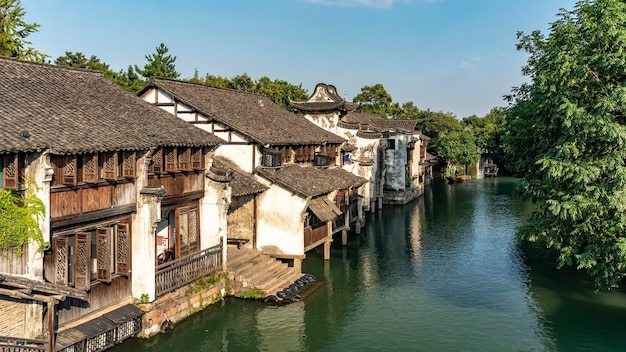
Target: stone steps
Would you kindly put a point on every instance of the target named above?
(255, 269)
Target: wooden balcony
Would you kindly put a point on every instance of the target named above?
(180, 272)
(339, 223)
(314, 237)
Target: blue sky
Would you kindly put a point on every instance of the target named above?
(455, 56)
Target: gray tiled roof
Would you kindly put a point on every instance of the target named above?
(253, 115)
(328, 101)
(242, 184)
(379, 123)
(73, 111)
(310, 181)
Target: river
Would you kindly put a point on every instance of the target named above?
(443, 273)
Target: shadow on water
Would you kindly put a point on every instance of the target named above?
(444, 273)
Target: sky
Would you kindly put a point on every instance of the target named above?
(455, 56)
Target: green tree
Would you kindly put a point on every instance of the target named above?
(79, 60)
(280, 91)
(375, 100)
(14, 31)
(159, 64)
(566, 137)
(19, 220)
(458, 148)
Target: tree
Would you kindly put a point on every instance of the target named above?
(19, 220)
(281, 92)
(458, 148)
(79, 60)
(567, 139)
(14, 30)
(375, 100)
(159, 65)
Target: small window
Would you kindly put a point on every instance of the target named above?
(170, 159)
(196, 158)
(90, 168)
(128, 164)
(321, 159)
(109, 166)
(9, 178)
(271, 158)
(391, 144)
(156, 166)
(184, 159)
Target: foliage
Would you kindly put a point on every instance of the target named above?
(375, 100)
(566, 137)
(279, 91)
(252, 292)
(79, 60)
(145, 298)
(159, 64)
(14, 31)
(458, 148)
(19, 220)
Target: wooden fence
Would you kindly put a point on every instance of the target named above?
(13, 344)
(313, 236)
(180, 272)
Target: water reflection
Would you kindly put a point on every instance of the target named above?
(445, 273)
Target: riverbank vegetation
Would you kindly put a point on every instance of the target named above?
(567, 138)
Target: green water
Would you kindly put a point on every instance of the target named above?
(444, 273)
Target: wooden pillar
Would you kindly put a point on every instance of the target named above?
(297, 264)
(327, 250)
(51, 331)
(344, 237)
(380, 203)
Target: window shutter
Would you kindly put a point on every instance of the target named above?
(60, 261)
(196, 158)
(10, 174)
(82, 268)
(69, 170)
(170, 159)
(128, 165)
(90, 168)
(109, 166)
(193, 230)
(157, 162)
(103, 257)
(184, 162)
(122, 262)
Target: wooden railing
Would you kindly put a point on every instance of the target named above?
(180, 272)
(22, 345)
(313, 236)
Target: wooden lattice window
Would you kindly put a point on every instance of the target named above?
(82, 272)
(193, 229)
(122, 259)
(170, 159)
(60, 260)
(10, 172)
(103, 255)
(157, 162)
(109, 165)
(184, 159)
(128, 164)
(271, 158)
(69, 169)
(196, 158)
(90, 168)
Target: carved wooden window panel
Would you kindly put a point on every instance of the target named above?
(184, 159)
(157, 162)
(196, 158)
(90, 168)
(193, 230)
(9, 178)
(109, 165)
(122, 245)
(103, 255)
(128, 164)
(69, 166)
(61, 261)
(82, 259)
(170, 159)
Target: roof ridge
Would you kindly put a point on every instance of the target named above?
(51, 65)
(208, 86)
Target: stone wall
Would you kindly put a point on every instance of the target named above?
(178, 305)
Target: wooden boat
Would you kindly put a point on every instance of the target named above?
(459, 179)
